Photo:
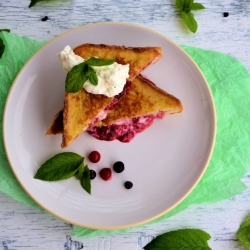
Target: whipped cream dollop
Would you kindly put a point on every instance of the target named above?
(111, 78)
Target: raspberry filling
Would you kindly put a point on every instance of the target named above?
(126, 129)
(102, 115)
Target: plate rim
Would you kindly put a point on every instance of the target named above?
(141, 222)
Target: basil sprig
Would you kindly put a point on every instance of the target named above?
(188, 239)
(83, 72)
(64, 166)
(185, 7)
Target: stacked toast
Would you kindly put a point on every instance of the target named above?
(122, 116)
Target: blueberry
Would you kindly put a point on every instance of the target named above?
(92, 174)
(45, 18)
(118, 167)
(128, 184)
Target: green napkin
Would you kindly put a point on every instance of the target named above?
(230, 85)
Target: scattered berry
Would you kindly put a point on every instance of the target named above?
(45, 18)
(106, 174)
(128, 184)
(118, 167)
(225, 14)
(94, 156)
(92, 174)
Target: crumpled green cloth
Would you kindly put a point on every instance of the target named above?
(230, 85)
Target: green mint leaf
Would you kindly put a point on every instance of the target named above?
(84, 176)
(92, 76)
(197, 6)
(82, 72)
(243, 233)
(187, 5)
(94, 61)
(80, 171)
(180, 4)
(76, 77)
(184, 5)
(33, 2)
(7, 30)
(188, 239)
(60, 167)
(190, 21)
(2, 46)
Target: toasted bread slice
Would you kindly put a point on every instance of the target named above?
(143, 98)
(56, 125)
(139, 58)
(82, 107)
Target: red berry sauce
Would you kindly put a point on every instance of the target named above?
(124, 131)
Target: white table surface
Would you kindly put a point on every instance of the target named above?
(22, 227)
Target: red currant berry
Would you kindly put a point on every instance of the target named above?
(106, 174)
(94, 156)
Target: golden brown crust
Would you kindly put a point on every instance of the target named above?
(138, 58)
(142, 98)
(56, 125)
(79, 110)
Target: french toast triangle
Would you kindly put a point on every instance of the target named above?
(81, 108)
(138, 58)
(143, 98)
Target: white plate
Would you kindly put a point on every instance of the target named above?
(165, 162)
